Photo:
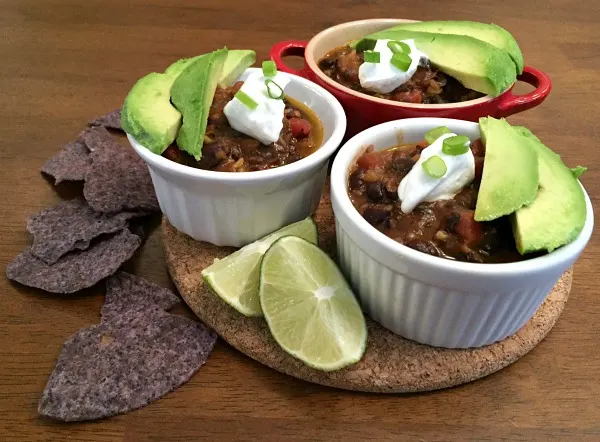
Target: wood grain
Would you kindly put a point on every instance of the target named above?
(64, 62)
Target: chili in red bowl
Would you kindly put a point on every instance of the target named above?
(427, 86)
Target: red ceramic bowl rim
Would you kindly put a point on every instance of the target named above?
(312, 65)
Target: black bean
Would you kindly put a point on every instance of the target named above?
(376, 215)
(470, 256)
(391, 192)
(375, 191)
(402, 163)
(491, 241)
(213, 154)
(424, 247)
(326, 63)
(452, 222)
(436, 99)
(467, 198)
(356, 182)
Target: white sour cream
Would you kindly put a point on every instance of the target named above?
(265, 122)
(384, 77)
(417, 186)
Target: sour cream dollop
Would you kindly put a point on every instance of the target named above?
(384, 77)
(417, 186)
(265, 122)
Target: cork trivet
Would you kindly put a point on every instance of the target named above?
(391, 364)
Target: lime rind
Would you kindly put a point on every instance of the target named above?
(235, 278)
(309, 307)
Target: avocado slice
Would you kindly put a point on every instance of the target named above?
(476, 64)
(192, 94)
(177, 68)
(510, 171)
(147, 114)
(490, 33)
(237, 61)
(558, 214)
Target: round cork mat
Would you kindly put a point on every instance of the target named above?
(391, 364)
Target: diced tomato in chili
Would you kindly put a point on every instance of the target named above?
(469, 229)
(371, 160)
(427, 85)
(300, 127)
(414, 96)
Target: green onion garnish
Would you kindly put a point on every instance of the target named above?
(366, 44)
(456, 145)
(371, 57)
(246, 100)
(433, 134)
(269, 69)
(398, 47)
(401, 61)
(278, 94)
(435, 167)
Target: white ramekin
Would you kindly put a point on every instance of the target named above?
(234, 209)
(432, 300)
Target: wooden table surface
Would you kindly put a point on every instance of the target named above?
(63, 62)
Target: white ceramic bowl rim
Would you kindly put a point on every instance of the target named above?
(391, 21)
(325, 151)
(350, 151)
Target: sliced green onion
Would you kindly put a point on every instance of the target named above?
(371, 57)
(401, 60)
(269, 68)
(278, 94)
(456, 145)
(433, 134)
(435, 167)
(398, 47)
(366, 44)
(246, 100)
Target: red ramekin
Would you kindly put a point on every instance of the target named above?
(364, 111)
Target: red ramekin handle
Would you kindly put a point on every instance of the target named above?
(286, 48)
(512, 104)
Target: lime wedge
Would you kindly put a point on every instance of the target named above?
(235, 278)
(309, 307)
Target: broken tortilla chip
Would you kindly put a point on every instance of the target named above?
(125, 291)
(71, 225)
(76, 270)
(70, 164)
(137, 354)
(97, 137)
(118, 178)
(111, 120)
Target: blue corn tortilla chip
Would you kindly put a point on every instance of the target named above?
(71, 225)
(76, 270)
(118, 178)
(137, 354)
(125, 291)
(111, 120)
(70, 164)
(97, 137)
(74, 160)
